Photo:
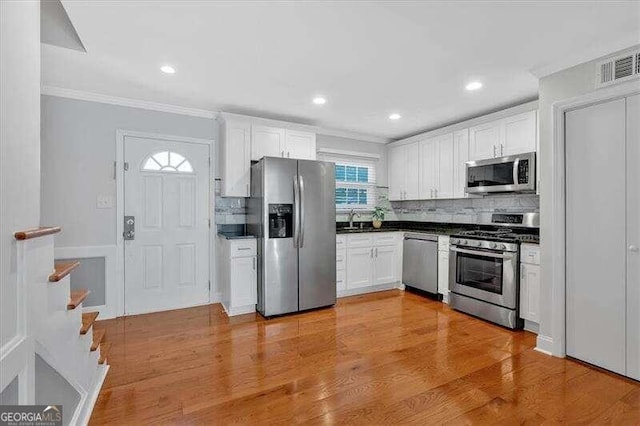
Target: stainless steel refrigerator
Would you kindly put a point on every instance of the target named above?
(292, 212)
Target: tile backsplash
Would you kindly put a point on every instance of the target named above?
(230, 211)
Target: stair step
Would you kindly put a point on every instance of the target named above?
(36, 232)
(98, 337)
(62, 269)
(87, 321)
(104, 351)
(77, 297)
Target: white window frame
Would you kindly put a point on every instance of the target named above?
(361, 159)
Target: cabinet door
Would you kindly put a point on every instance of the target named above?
(300, 145)
(444, 187)
(396, 172)
(485, 140)
(385, 264)
(428, 168)
(443, 272)
(530, 292)
(243, 281)
(520, 133)
(410, 167)
(267, 142)
(237, 160)
(359, 267)
(460, 158)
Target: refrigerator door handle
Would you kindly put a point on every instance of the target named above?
(301, 208)
(296, 212)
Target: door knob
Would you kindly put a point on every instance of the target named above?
(633, 248)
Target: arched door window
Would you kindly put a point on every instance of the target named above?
(167, 161)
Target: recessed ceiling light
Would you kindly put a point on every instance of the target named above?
(474, 85)
(168, 69)
(395, 116)
(319, 100)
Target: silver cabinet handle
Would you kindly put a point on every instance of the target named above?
(244, 248)
(371, 254)
(288, 155)
(254, 263)
(376, 252)
(501, 149)
(282, 154)
(431, 193)
(494, 151)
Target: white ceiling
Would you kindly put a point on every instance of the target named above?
(368, 58)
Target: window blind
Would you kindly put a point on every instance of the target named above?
(355, 181)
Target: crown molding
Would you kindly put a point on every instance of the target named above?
(126, 102)
(591, 53)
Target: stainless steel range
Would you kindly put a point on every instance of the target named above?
(484, 266)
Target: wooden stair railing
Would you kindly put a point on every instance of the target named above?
(88, 318)
(98, 337)
(62, 269)
(104, 352)
(36, 232)
(77, 297)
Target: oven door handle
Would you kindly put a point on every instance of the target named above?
(483, 253)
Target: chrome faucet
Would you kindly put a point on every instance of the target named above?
(352, 214)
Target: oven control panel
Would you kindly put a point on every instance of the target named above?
(482, 244)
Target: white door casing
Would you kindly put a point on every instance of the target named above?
(166, 265)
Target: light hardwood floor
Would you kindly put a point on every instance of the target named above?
(385, 358)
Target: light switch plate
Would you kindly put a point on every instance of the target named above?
(104, 202)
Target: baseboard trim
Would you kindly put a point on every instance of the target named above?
(93, 397)
(544, 344)
(238, 310)
(372, 289)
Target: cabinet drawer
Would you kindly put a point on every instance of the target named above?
(360, 240)
(386, 239)
(530, 253)
(341, 260)
(341, 242)
(243, 248)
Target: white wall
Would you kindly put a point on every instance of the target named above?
(78, 151)
(19, 142)
(563, 85)
(344, 144)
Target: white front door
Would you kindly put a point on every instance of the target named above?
(166, 190)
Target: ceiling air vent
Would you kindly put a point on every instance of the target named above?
(618, 69)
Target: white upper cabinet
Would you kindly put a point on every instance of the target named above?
(508, 136)
(403, 172)
(235, 152)
(460, 157)
(436, 167)
(267, 141)
(300, 145)
(485, 140)
(520, 133)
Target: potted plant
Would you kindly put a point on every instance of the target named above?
(378, 216)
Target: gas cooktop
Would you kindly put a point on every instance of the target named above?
(503, 235)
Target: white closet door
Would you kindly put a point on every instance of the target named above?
(633, 237)
(596, 251)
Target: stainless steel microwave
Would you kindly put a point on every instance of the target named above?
(515, 173)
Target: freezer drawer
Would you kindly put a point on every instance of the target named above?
(420, 264)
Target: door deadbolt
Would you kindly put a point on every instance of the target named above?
(129, 227)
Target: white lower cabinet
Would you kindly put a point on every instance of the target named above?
(372, 262)
(530, 283)
(443, 267)
(238, 275)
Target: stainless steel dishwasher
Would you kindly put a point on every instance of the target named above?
(420, 262)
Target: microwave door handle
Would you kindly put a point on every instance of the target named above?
(483, 253)
(516, 164)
